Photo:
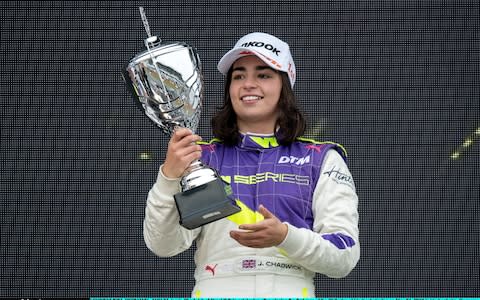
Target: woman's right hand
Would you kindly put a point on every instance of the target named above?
(182, 150)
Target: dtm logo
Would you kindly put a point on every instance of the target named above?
(294, 160)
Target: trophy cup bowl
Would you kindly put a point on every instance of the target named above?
(166, 82)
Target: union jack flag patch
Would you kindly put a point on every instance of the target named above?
(248, 264)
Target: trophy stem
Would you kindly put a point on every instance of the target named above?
(197, 174)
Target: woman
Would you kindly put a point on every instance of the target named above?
(299, 205)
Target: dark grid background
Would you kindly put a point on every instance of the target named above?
(396, 82)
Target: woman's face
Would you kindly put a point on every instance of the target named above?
(255, 91)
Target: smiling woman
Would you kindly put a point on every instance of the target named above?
(255, 92)
(297, 216)
(276, 60)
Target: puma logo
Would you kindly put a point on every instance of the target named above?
(211, 269)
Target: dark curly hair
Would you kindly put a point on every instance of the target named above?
(291, 122)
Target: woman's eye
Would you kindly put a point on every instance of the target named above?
(264, 76)
(237, 76)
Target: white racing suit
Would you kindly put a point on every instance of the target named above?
(307, 185)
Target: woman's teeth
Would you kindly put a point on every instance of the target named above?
(251, 98)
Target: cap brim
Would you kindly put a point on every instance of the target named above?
(231, 56)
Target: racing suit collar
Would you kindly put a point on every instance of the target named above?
(257, 141)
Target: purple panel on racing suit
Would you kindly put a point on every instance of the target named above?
(281, 177)
(340, 240)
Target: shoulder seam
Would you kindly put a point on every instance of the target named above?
(214, 140)
(303, 139)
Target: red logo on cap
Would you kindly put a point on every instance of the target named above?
(272, 61)
(291, 71)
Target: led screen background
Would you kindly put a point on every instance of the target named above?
(395, 82)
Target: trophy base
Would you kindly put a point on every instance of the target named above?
(204, 204)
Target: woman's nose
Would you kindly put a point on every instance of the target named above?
(249, 82)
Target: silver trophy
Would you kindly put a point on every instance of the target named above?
(167, 83)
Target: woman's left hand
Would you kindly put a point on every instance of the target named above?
(266, 233)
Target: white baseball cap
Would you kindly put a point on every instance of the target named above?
(273, 51)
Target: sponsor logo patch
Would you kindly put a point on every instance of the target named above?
(262, 45)
(211, 269)
(294, 160)
(340, 177)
